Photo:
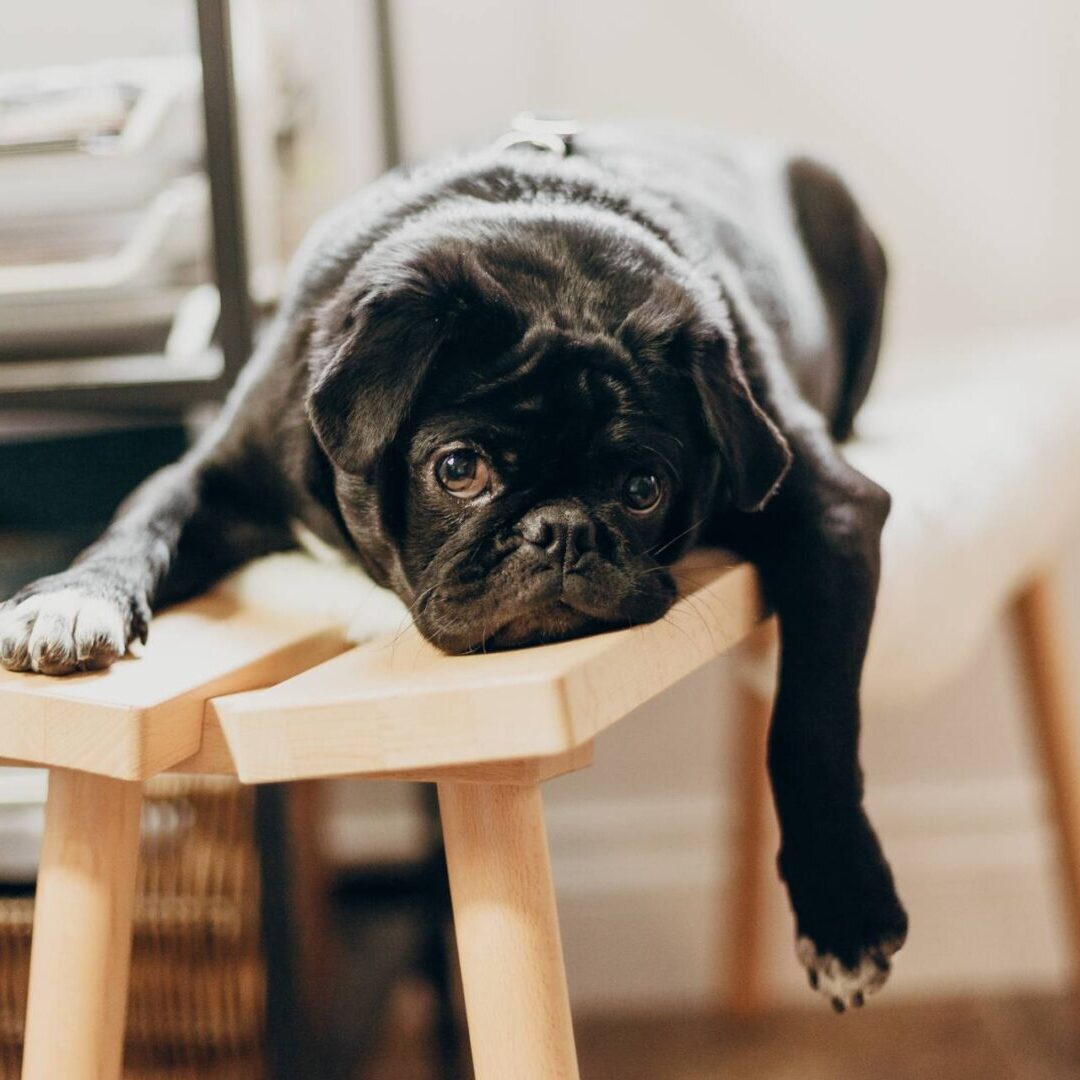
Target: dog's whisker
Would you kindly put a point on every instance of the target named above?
(663, 547)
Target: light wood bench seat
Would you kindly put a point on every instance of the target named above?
(223, 687)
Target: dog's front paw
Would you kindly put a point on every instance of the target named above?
(73, 622)
(847, 986)
(849, 919)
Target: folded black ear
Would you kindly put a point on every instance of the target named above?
(374, 345)
(370, 361)
(756, 455)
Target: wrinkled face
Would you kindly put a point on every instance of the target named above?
(525, 435)
(544, 508)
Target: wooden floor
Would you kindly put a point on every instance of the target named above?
(1001, 1038)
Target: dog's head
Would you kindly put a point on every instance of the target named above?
(528, 420)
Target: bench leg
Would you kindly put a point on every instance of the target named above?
(507, 932)
(743, 958)
(1041, 637)
(81, 946)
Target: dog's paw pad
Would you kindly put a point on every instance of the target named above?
(846, 987)
(58, 632)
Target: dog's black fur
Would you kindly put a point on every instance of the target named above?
(516, 387)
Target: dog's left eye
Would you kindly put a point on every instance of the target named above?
(642, 492)
(463, 473)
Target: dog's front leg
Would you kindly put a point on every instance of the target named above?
(817, 549)
(178, 532)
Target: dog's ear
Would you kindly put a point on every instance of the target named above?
(373, 350)
(703, 341)
(368, 365)
(755, 453)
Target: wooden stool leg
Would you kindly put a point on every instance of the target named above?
(742, 961)
(81, 946)
(1040, 635)
(507, 932)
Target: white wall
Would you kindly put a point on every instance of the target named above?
(956, 120)
(71, 32)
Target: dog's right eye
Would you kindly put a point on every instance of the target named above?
(642, 492)
(463, 473)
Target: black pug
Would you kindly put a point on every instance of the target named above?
(516, 385)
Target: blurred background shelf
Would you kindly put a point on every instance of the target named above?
(120, 202)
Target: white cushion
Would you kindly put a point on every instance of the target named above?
(980, 448)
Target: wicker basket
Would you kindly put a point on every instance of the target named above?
(196, 999)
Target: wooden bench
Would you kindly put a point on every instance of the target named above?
(222, 688)
(271, 694)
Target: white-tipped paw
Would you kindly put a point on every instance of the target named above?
(56, 633)
(846, 986)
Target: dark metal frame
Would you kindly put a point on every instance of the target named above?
(226, 193)
(390, 121)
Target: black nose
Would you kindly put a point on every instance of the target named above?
(564, 531)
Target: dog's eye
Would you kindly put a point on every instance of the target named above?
(642, 492)
(464, 473)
